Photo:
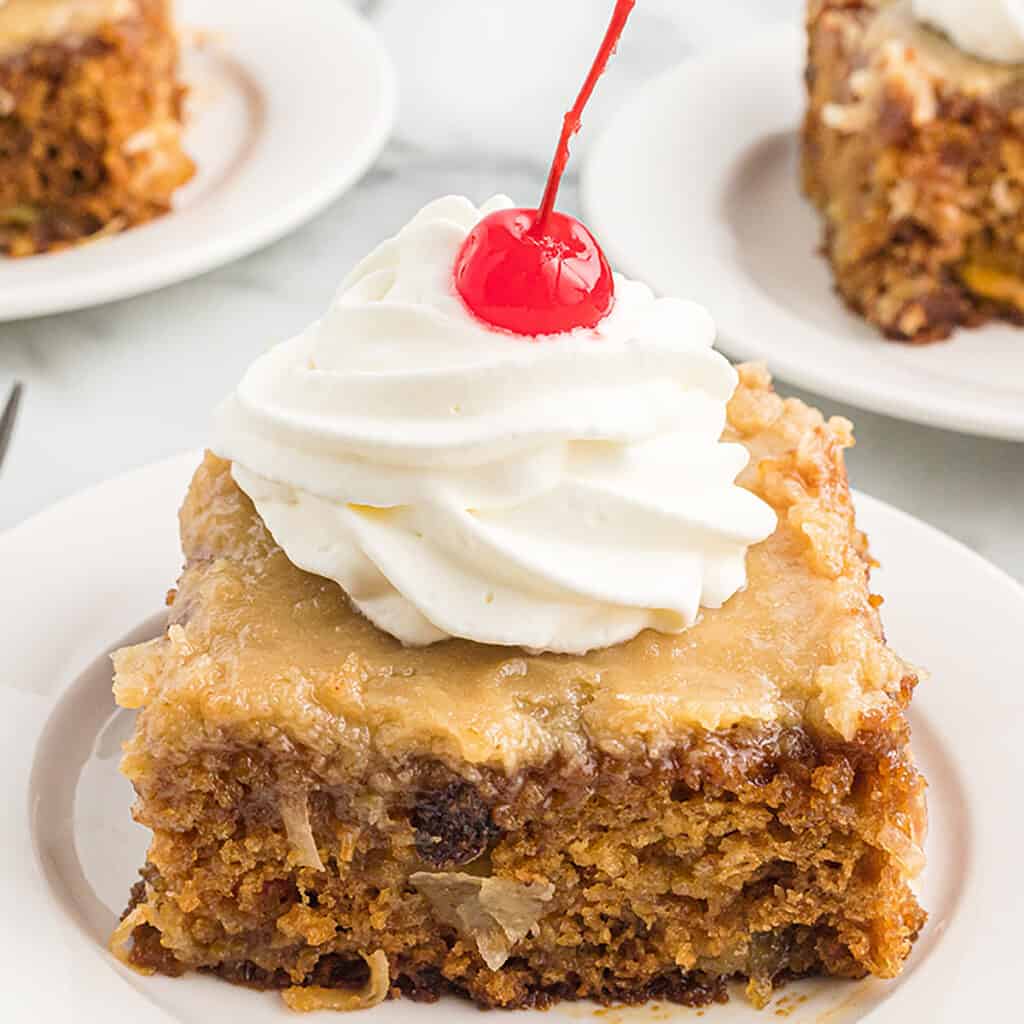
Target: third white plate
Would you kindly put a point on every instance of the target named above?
(694, 188)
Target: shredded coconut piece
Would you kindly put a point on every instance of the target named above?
(903, 849)
(139, 142)
(313, 997)
(902, 199)
(149, 138)
(121, 940)
(495, 912)
(903, 837)
(295, 814)
(895, 70)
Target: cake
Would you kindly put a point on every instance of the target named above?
(913, 154)
(695, 766)
(90, 119)
(524, 651)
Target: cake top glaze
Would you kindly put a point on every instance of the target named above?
(25, 23)
(259, 650)
(897, 29)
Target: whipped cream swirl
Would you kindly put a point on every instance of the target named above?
(558, 493)
(992, 29)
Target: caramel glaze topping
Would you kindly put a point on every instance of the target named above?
(25, 23)
(259, 651)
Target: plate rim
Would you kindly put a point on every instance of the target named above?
(92, 287)
(601, 168)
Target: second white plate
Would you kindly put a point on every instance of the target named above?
(694, 188)
(285, 113)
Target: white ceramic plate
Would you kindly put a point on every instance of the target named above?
(694, 188)
(289, 105)
(93, 569)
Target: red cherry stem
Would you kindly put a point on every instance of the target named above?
(572, 120)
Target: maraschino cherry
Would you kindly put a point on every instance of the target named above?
(536, 272)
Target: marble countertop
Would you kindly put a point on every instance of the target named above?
(112, 388)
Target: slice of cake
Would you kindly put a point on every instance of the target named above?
(912, 151)
(484, 677)
(90, 119)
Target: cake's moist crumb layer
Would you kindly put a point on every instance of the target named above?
(259, 649)
(753, 855)
(912, 151)
(90, 119)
